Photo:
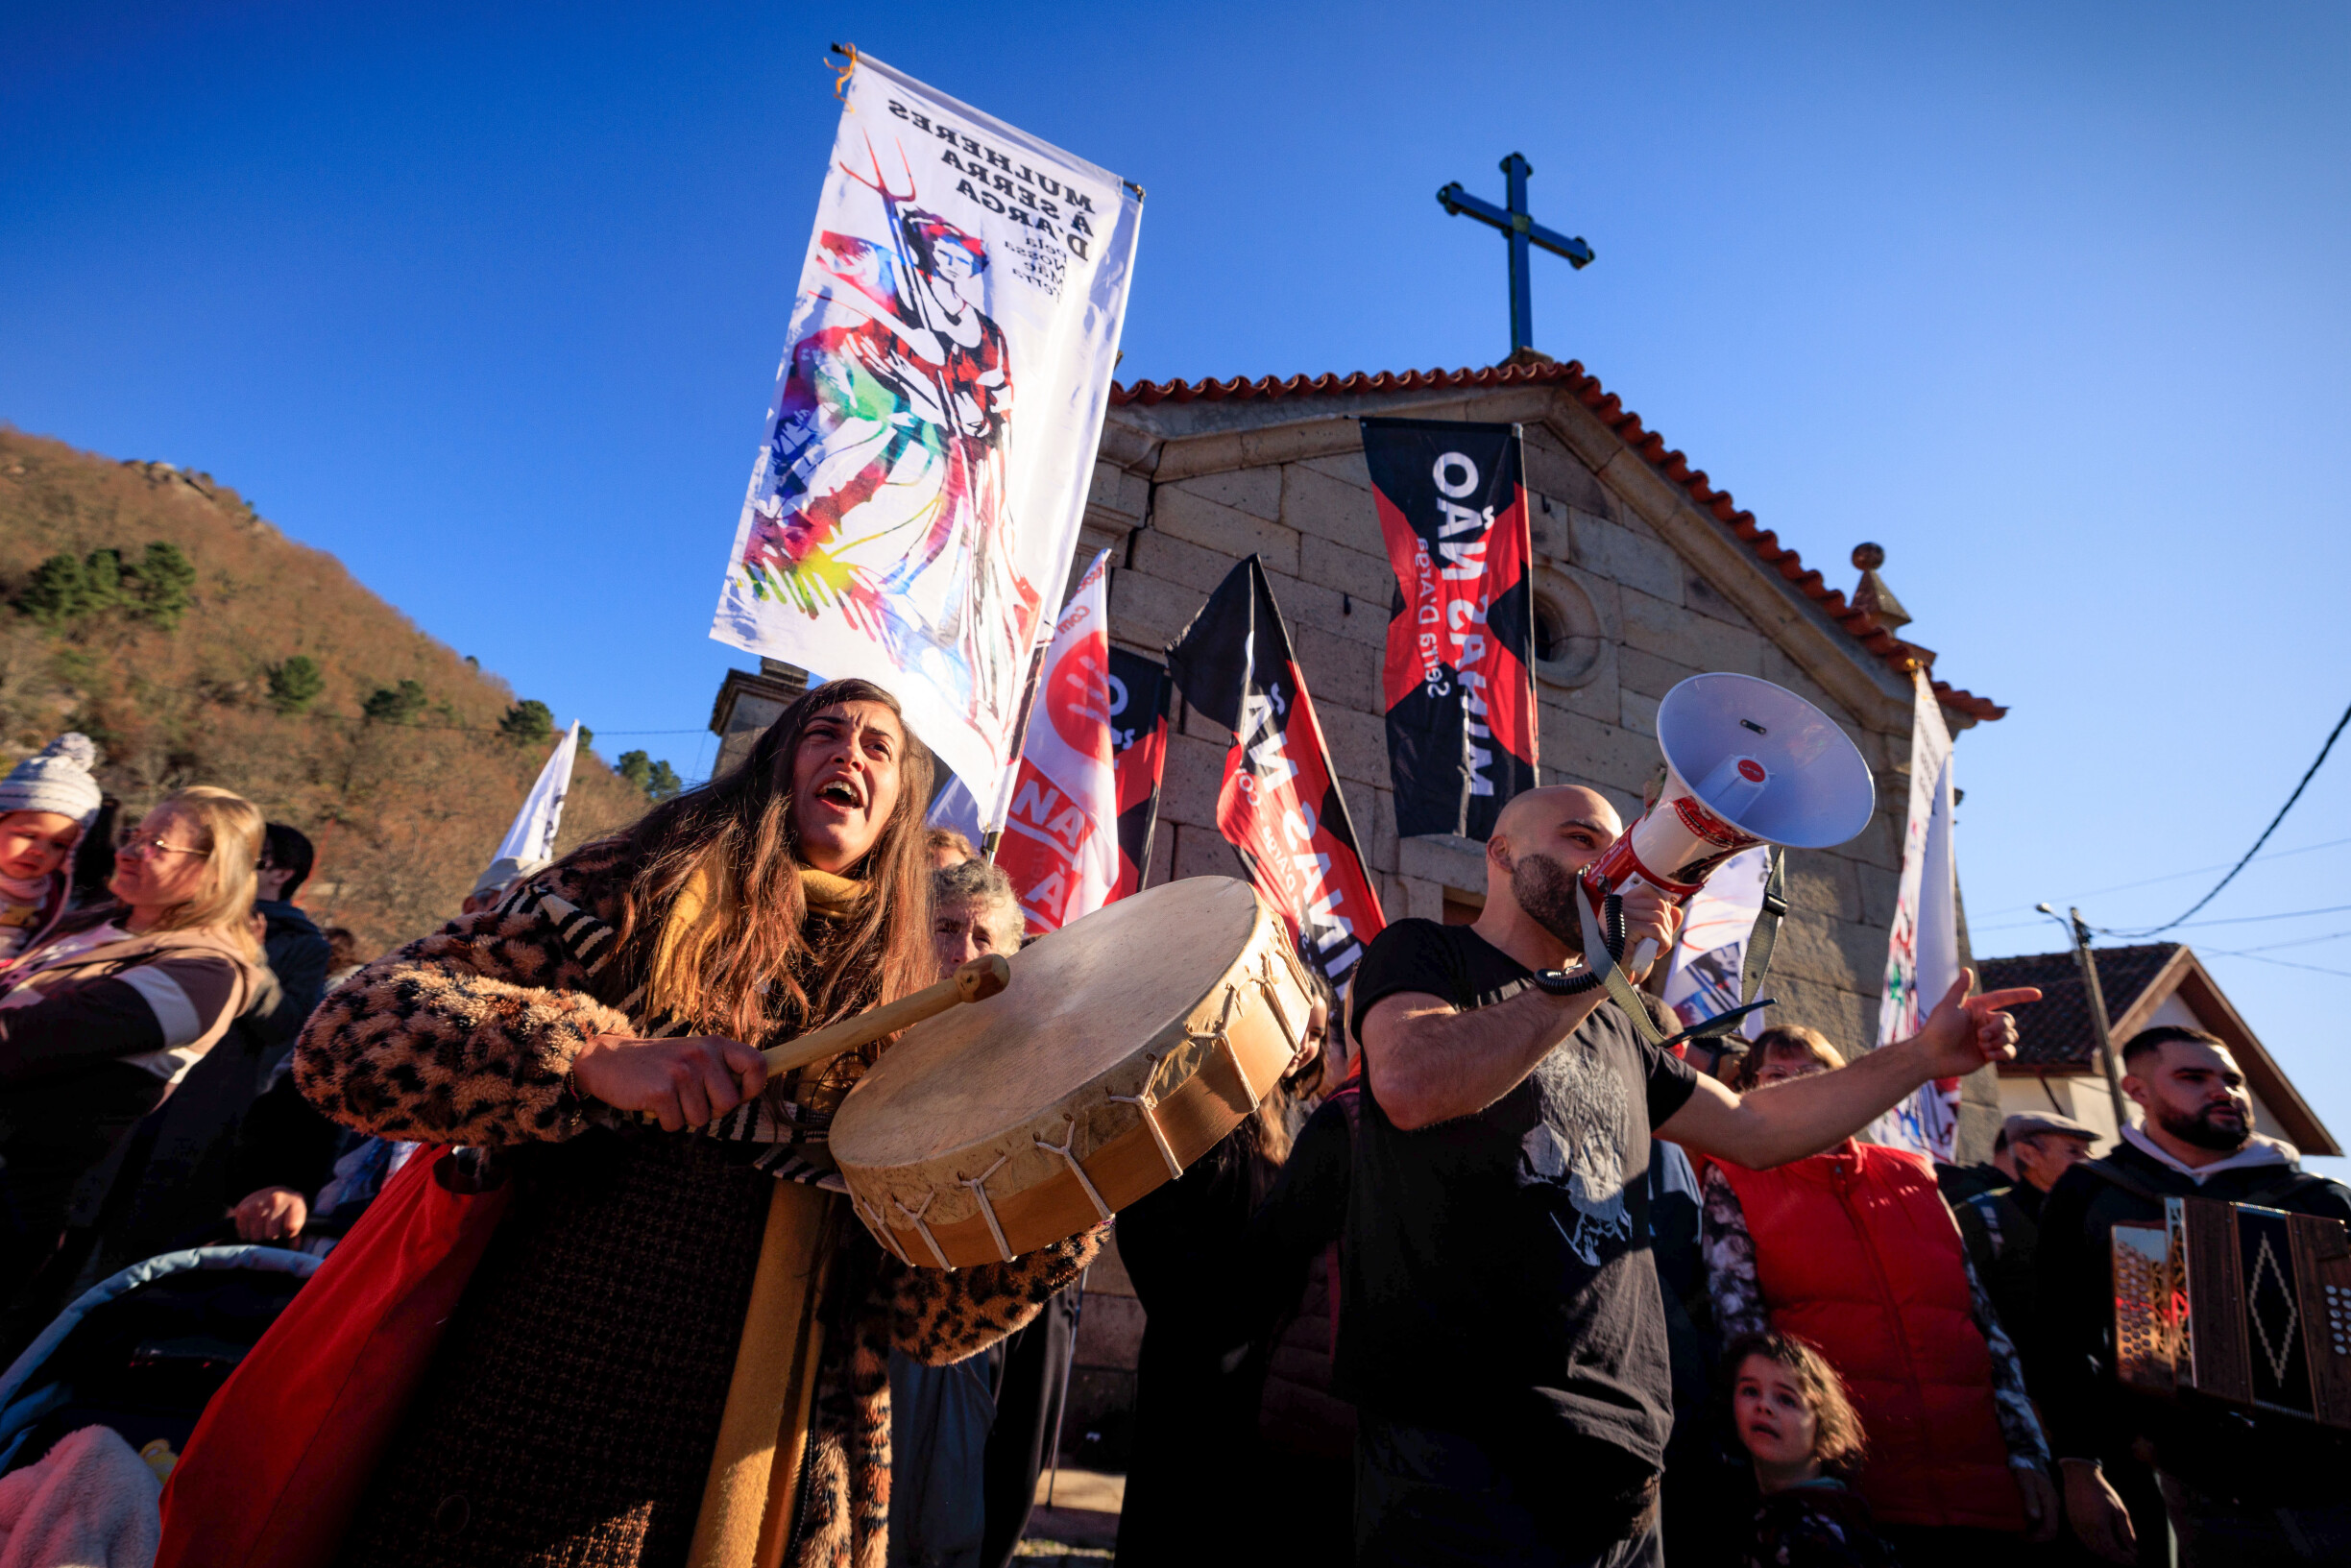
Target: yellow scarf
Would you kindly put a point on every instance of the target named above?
(835, 897)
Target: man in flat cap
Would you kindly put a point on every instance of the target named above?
(2002, 1224)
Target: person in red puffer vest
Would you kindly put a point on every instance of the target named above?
(1855, 1250)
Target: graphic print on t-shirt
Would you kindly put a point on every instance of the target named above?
(1575, 1154)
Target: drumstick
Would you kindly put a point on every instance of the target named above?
(976, 981)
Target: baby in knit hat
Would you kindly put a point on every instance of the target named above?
(47, 802)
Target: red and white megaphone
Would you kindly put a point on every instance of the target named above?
(1770, 768)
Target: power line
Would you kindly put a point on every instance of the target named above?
(2286, 963)
(2248, 920)
(2149, 881)
(2308, 775)
(2272, 947)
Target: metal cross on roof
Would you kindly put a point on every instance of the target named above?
(1521, 231)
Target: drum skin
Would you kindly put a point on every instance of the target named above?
(1185, 1001)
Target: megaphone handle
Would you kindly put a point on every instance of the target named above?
(1648, 949)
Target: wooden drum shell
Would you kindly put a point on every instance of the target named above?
(1201, 1076)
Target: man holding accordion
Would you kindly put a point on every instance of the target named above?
(2244, 1479)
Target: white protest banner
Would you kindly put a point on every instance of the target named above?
(1060, 836)
(936, 412)
(1923, 951)
(532, 837)
(1704, 981)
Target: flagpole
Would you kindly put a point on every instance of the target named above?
(992, 829)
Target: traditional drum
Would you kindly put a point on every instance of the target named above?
(1124, 1047)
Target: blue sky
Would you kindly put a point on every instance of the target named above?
(2046, 299)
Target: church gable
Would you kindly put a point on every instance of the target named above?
(1644, 575)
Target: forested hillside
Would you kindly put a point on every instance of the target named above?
(153, 608)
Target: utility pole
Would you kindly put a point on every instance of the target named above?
(2098, 1024)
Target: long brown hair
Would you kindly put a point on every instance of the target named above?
(741, 964)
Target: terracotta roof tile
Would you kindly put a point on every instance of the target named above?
(1860, 625)
(2055, 1033)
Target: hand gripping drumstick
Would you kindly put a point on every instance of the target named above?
(976, 981)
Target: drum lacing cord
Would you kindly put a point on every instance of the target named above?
(987, 1211)
(1144, 1102)
(923, 1230)
(880, 1228)
(1069, 1140)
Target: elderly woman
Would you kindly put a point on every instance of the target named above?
(116, 1003)
(607, 1392)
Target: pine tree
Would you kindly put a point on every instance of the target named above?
(295, 682)
(528, 721)
(662, 781)
(55, 591)
(636, 767)
(395, 705)
(165, 581)
(103, 585)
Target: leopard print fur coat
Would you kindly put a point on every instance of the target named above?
(467, 1036)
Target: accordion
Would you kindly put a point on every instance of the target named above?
(2242, 1304)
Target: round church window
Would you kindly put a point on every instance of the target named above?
(1567, 632)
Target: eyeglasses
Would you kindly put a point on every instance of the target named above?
(143, 848)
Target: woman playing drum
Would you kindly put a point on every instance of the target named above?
(615, 1372)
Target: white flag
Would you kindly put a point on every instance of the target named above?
(942, 392)
(1061, 836)
(1923, 950)
(532, 837)
(1704, 981)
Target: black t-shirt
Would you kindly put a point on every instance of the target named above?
(1497, 1268)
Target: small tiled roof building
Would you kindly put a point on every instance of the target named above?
(2155, 982)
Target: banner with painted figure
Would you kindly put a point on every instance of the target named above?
(1060, 834)
(532, 834)
(1280, 804)
(1459, 676)
(1702, 981)
(1923, 951)
(941, 394)
(1140, 693)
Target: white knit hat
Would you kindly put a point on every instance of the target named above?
(57, 778)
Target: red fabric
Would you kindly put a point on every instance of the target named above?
(1856, 1252)
(275, 1468)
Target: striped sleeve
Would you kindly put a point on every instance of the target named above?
(189, 994)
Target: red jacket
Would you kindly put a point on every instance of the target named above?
(1856, 1252)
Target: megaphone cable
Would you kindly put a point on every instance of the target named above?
(1607, 933)
(1574, 983)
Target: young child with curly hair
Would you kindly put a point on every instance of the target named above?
(1798, 1428)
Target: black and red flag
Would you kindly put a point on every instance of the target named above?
(1461, 632)
(1139, 693)
(1280, 804)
